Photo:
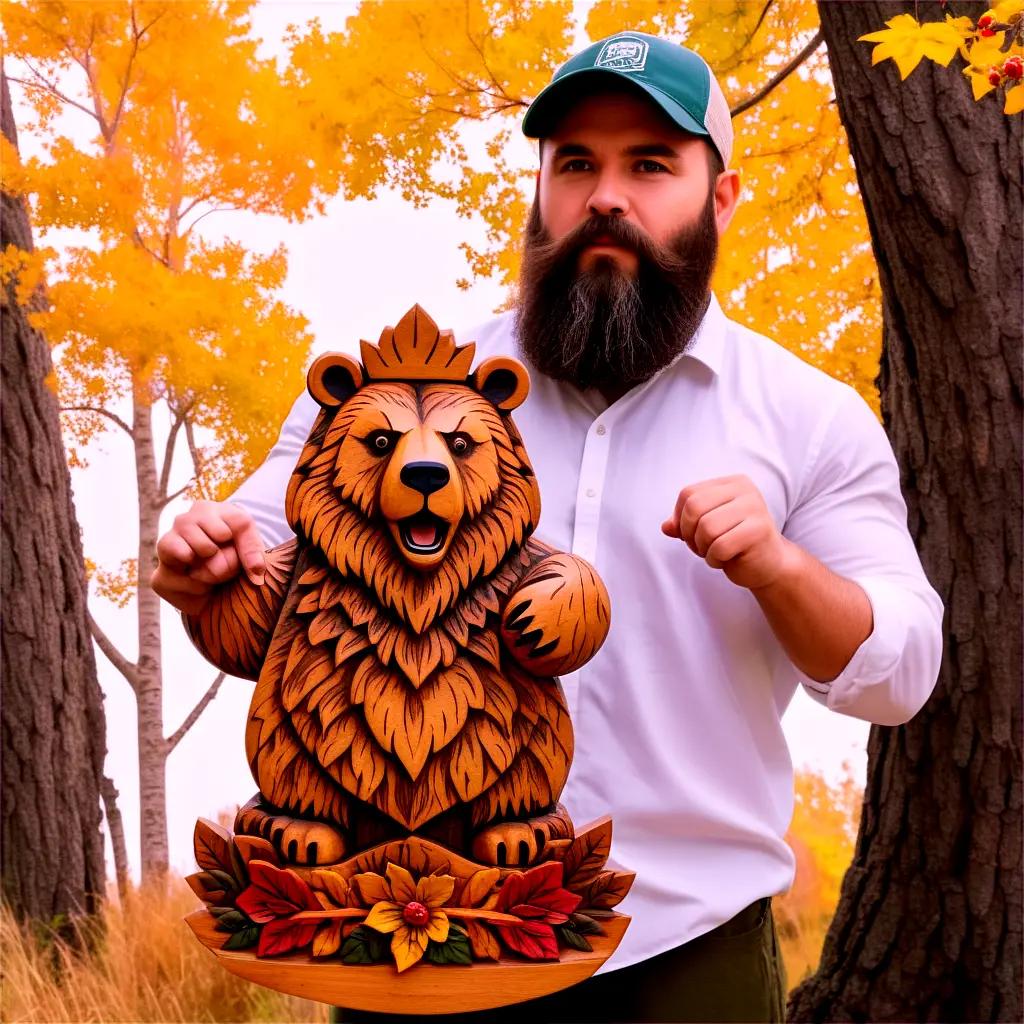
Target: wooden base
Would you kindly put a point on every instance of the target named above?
(425, 988)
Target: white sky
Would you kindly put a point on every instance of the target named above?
(351, 272)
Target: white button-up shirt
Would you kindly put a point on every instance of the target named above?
(677, 718)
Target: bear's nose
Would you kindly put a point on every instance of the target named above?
(425, 477)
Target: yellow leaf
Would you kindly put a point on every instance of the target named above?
(403, 888)
(980, 85)
(1003, 12)
(335, 885)
(906, 41)
(1014, 100)
(407, 946)
(385, 917)
(437, 927)
(328, 939)
(434, 891)
(372, 887)
(479, 886)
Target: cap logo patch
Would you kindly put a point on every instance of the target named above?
(623, 55)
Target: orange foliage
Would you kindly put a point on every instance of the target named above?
(822, 835)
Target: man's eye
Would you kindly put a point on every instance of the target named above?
(576, 165)
(380, 442)
(651, 167)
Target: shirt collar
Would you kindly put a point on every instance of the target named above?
(708, 344)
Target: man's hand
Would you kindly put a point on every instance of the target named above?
(820, 618)
(726, 522)
(207, 545)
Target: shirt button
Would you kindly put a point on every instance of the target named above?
(601, 431)
(591, 492)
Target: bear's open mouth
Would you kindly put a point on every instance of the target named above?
(423, 533)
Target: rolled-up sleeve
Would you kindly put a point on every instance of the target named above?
(851, 516)
(262, 495)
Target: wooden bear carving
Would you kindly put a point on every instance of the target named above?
(406, 642)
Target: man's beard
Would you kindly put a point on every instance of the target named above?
(602, 327)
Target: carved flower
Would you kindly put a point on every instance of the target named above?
(409, 911)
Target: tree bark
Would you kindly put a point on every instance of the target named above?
(54, 738)
(929, 921)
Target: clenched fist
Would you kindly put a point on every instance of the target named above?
(727, 523)
(209, 544)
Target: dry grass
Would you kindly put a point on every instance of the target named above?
(147, 967)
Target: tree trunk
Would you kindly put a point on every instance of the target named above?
(149, 685)
(115, 828)
(929, 921)
(54, 738)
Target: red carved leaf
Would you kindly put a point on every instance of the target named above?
(274, 893)
(538, 894)
(534, 939)
(282, 936)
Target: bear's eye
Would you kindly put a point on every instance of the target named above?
(380, 442)
(460, 444)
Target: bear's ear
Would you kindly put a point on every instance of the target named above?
(503, 381)
(334, 378)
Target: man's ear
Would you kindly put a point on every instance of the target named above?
(503, 381)
(334, 378)
(727, 196)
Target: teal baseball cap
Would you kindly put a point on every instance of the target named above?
(675, 78)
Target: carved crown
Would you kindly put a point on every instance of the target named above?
(416, 350)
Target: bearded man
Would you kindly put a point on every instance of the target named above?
(742, 508)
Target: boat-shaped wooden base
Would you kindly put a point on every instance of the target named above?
(423, 989)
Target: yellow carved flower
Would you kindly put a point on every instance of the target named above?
(409, 911)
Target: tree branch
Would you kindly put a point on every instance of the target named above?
(172, 436)
(46, 86)
(126, 82)
(100, 412)
(164, 502)
(206, 213)
(137, 239)
(175, 738)
(197, 459)
(114, 656)
(761, 93)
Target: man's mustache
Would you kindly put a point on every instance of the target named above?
(602, 229)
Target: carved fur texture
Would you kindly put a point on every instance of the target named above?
(386, 688)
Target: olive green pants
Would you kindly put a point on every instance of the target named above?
(733, 973)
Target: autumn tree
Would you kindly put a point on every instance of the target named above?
(929, 922)
(52, 708)
(179, 118)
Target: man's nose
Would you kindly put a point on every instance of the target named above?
(425, 477)
(609, 198)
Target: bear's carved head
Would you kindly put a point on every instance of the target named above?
(414, 477)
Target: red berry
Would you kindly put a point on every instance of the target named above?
(987, 32)
(416, 914)
(1013, 70)
(995, 76)
(985, 20)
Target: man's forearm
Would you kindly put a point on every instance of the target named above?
(819, 618)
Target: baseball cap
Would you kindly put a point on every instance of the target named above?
(675, 78)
